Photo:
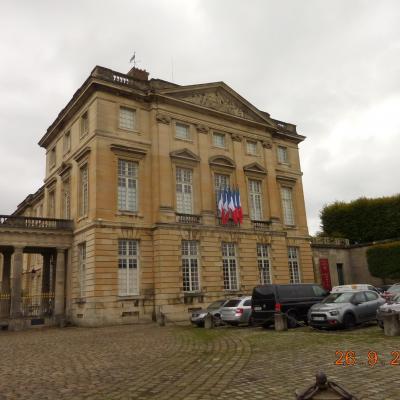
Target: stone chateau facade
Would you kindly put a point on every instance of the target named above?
(136, 164)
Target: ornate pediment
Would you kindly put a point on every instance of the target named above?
(255, 168)
(184, 155)
(222, 161)
(219, 97)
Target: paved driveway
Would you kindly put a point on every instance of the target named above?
(151, 362)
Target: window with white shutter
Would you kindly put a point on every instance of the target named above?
(127, 118)
(182, 131)
(83, 191)
(128, 267)
(255, 200)
(127, 185)
(184, 191)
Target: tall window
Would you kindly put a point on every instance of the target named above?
(127, 185)
(218, 139)
(128, 267)
(126, 118)
(67, 142)
(182, 131)
(190, 266)
(263, 263)
(66, 200)
(251, 147)
(294, 269)
(51, 204)
(82, 269)
(287, 205)
(83, 191)
(255, 200)
(283, 155)
(84, 124)
(184, 191)
(229, 266)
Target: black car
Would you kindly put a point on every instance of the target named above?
(291, 299)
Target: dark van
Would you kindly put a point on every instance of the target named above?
(291, 299)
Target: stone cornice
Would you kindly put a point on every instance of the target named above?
(82, 154)
(133, 151)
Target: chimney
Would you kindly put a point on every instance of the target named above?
(138, 74)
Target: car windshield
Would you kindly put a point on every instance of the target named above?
(232, 303)
(215, 305)
(338, 297)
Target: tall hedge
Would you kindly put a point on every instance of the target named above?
(384, 260)
(363, 220)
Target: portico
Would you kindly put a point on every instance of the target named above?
(21, 304)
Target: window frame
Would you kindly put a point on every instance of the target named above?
(255, 215)
(67, 142)
(182, 125)
(84, 124)
(282, 155)
(264, 263)
(193, 285)
(287, 204)
(181, 204)
(123, 108)
(129, 259)
(252, 142)
(83, 203)
(66, 198)
(294, 264)
(230, 279)
(82, 263)
(135, 178)
(52, 157)
(219, 134)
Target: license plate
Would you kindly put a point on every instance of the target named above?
(318, 318)
(257, 308)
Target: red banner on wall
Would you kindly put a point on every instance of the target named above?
(325, 274)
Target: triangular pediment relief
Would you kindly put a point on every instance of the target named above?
(184, 154)
(222, 161)
(255, 168)
(219, 97)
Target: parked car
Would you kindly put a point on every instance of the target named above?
(237, 311)
(354, 286)
(345, 309)
(197, 317)
(292, 299)
(393, 305)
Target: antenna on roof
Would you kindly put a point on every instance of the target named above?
(133, 59)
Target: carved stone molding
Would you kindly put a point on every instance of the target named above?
(132, 151)
(202, 128)
(163, 119)
(267, 144)
(184, 155)
(236, 137)
(254, 168)
(222, 161)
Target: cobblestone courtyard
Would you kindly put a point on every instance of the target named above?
(176, 362)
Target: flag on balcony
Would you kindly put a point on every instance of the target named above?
(225, 216)
(220, 202)
(239, 210)
(231, 204)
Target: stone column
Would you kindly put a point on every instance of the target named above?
(46, 273)
(16, 283)
(59, 290)
(5, 284)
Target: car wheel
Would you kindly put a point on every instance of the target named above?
(292, 320)
(349, 321)
(380, 324)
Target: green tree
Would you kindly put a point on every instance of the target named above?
(384, 260)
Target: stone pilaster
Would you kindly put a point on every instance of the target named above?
(59, 290)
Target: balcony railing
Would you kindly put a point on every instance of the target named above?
(191, 219)
(329, 241)
(230, 223)
(261, 225)
(14, 221)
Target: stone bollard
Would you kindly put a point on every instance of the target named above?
(280, 322)
(391, 323)
(209, 321)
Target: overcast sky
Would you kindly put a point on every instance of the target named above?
(330, 67)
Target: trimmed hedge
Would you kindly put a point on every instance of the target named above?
(363, 220)
(384, 260)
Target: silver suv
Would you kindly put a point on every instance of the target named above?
(345, 309)
(237, 311)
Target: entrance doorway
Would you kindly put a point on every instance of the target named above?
(340, 273)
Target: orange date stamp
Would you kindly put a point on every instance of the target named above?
(349, 358)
